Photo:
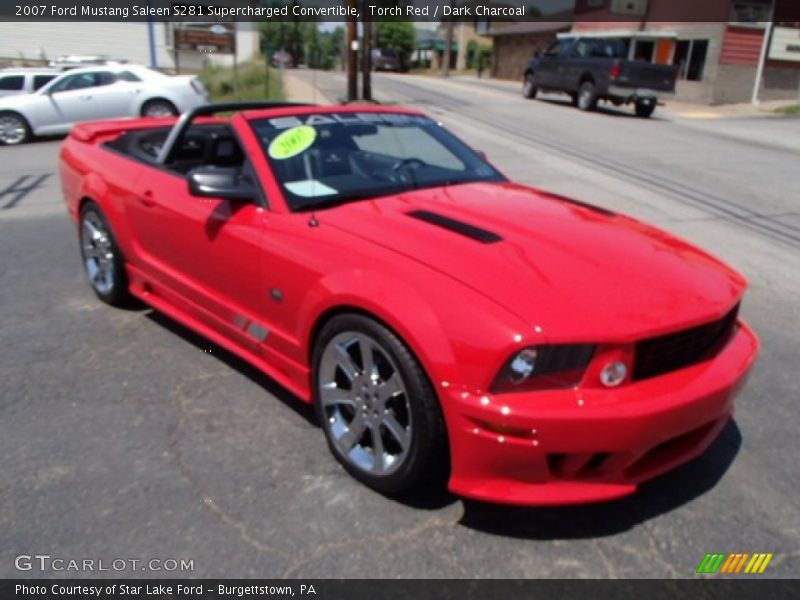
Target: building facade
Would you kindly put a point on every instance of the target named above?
(32, 44)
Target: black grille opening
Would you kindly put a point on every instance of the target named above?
(666, 353)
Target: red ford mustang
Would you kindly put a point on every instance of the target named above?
(536, 349)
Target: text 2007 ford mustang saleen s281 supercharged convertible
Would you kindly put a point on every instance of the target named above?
(536, 349)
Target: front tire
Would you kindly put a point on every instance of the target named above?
(529, 89)
(587, 96)
(159, 109)
(14, 129)
(102, 259)
(376, 406)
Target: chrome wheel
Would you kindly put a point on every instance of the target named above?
(98, 253)
(158, 109)
(529, 87)
(586, 97)
(13, 129)
(365, 403)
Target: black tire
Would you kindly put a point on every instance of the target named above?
(645, 109)
(159, 107)
(117, 294)
(587, 96)
(573, 99)
(427, 459)
(22, 133)
(529, 89)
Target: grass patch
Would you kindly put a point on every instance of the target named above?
(793, 109)
(253, 83)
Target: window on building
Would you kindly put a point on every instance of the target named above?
(751, 12)
(690, 58)
(12, 83)
(39, 81)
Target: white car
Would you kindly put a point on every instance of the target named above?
(96, 93)
(24, 81)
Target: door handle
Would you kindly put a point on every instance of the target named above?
(86, 97)
(147, 200)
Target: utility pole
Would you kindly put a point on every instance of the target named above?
(366, 61)
(352, 55)
(762, 59)
(448, 47)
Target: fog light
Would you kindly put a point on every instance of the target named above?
(523, 365)
(613, 373)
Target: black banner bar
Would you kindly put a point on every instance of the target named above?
(703, 587)
(473, 11)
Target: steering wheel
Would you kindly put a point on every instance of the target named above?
(414, 163)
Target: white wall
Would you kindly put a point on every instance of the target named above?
(49, 40)
(126, 41)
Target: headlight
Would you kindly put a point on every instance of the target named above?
(543, 367)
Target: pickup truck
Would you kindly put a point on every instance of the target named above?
(590, 69)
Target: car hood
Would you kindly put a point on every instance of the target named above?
(578, 272)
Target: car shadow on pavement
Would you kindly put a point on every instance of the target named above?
(237, 364)
(603, 109)
(662, 495)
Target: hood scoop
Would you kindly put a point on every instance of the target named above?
(465, 229)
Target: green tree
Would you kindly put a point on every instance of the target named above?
(398, 35)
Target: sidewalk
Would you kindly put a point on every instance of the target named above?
(297, 90)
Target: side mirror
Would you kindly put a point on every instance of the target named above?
(538, 54)
(220, 182)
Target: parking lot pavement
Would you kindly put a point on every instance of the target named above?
(122, 434)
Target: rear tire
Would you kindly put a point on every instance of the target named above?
(645, 109)
(384, 401)
(14, 129)
(529, 89)
(159, 108)
(587, 96)
(102, 258)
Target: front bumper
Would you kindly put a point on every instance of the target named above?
(589, 445)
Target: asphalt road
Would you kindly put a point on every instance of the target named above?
(123, 435)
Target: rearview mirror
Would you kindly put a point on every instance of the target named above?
(220, 182)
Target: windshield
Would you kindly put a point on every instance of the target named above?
(330, 158)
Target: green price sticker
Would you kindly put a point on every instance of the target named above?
(292, 142)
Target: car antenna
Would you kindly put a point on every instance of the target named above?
(312, 222)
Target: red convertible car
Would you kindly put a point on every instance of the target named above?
(444, 321)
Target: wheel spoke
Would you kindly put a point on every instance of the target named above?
(92, 231)
(345, 362)
(354, 432)
(397, 431)
(377, 448)
(90, 251)
(331, 395)
(367, 358)
(391, 387)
